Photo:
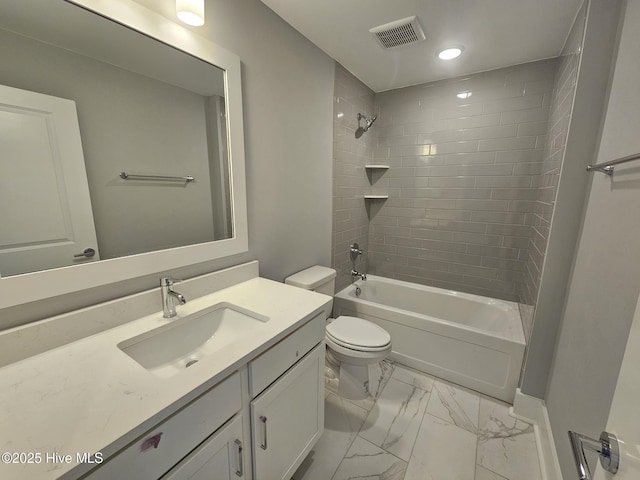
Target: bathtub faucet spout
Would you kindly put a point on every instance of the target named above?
(363, 276)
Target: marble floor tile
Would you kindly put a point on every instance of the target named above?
(506, 446)
(442, 451)
(342, 421)
(455, 405)
(417, 427)
(365, 461)
(413, 377)
(484, 474)
(394, 421)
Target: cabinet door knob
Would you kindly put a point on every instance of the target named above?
(263, 419)
(239, 470)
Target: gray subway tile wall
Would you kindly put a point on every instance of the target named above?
(350, 180)
(547, 181)
(465, 157)
(473, 163)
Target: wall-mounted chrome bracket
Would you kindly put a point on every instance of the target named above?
(606, 446)
(607, 167)
(608, 170)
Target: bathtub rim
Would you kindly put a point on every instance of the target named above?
(516, 335)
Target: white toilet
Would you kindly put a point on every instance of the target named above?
(353, 342)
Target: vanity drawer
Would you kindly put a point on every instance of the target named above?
(160, 449)
(275, 361)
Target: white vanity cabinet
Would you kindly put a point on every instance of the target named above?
(287, 417)
(281, 394)
(220, 457)
(160, 449)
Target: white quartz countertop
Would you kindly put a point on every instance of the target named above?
(88, 396)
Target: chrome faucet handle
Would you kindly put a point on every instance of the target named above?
(354, 251)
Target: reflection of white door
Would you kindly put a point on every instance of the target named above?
(624, 416)
(45, 210)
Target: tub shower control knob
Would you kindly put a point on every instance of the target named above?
(354, 251)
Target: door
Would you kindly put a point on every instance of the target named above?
(45, 210)
(220, 457)
(287, 419)
(624, 416)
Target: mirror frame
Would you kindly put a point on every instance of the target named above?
(30, 287)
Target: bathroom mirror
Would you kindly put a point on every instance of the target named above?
(149, 99)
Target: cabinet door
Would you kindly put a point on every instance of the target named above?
(287, 419)
(220, 457)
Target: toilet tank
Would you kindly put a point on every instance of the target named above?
(317, 278)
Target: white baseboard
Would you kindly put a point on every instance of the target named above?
(533, 410)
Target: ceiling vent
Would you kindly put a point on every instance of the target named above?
(398, 33)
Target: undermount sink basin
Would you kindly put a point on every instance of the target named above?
(168, 350)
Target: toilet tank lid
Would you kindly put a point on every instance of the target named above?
(312, 277)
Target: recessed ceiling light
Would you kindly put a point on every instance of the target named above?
(450, 53)
(463, 95)
(190, 12)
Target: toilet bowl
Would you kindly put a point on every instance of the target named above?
(356, 343)
(353, 343)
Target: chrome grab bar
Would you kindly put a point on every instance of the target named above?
(606, 446)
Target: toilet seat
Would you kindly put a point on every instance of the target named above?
(358, 334)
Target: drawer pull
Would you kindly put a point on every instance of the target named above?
(239, 471)
(263, 419)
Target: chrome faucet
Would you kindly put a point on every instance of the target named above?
(363, 276)
(354, 253)
(169, 297)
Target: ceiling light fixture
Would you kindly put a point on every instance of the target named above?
(190, 12)
(450, 53)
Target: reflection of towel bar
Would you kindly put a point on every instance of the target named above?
(126, 176)
(607, 167)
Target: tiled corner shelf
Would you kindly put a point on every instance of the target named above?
(377, 167)
(376, 197)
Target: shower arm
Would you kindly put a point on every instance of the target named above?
(369, 121)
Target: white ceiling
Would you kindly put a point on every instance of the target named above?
(495, 33)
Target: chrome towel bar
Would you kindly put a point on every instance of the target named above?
(127, 176)
(606, 446)
(607, 167)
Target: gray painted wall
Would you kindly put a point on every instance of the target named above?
(605, 281)
(585, 121)
(287, 90)
(287, 93)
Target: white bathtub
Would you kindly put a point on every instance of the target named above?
(467, 339)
